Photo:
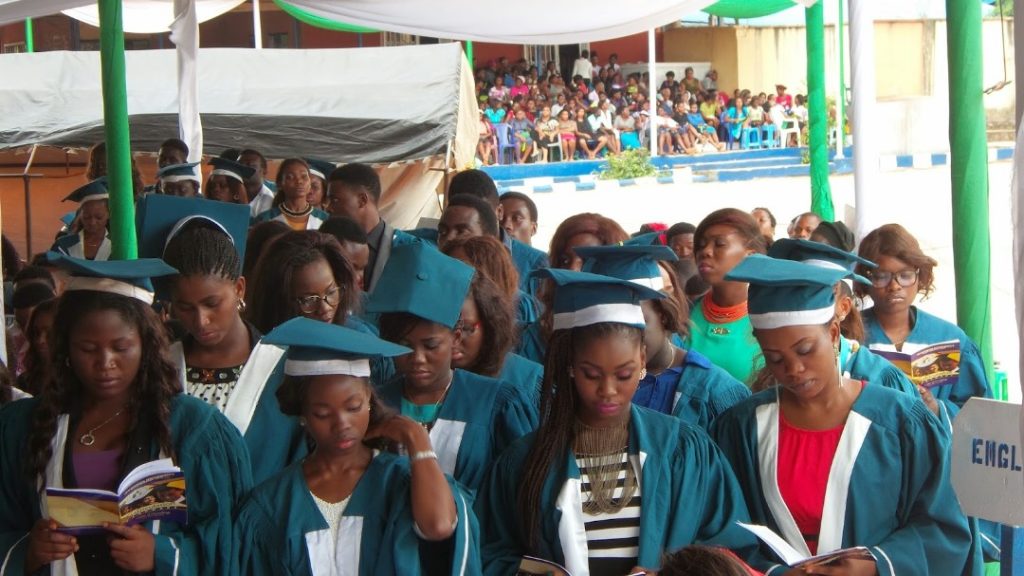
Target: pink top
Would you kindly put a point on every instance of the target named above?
(98, 470)
(805, 459)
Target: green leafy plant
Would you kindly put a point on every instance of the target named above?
(634, 163)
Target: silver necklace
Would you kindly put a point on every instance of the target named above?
(88, 439)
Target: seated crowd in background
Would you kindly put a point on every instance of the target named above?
(529, 115)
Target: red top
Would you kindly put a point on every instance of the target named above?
(805, 459)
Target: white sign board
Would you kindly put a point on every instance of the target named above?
(988, 462)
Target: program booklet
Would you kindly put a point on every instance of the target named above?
(153, 491)
(794, 559)
(935, 365)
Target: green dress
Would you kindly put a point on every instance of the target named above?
(730, 346)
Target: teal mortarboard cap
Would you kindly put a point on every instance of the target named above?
(131, 278)
(419, 280)
(636, 263)
(160, 217)
(821, 255)
(178, 172)
(321, 168)
(93, 190)
(582, 299)
(645, 239)
(231, 169)
(787, 293)
(320, 348)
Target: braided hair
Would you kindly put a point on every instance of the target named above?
(554, 438)
(153, 388)
(269, 294)
(202, 250)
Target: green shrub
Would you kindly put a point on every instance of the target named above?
(634, 163)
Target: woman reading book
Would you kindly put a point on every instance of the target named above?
(115, 402)
(831, 463)
(894, 324)
(604, 487)
(348, 508)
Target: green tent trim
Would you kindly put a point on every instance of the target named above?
(320, 22)
(748, 9)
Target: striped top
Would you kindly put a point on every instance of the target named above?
(613, 540)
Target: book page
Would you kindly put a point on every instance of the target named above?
(777, 543)
(81, 511)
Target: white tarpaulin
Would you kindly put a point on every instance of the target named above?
(530, 22)
(366, 104)
(152, 16)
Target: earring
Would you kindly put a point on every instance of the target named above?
(572, 373)
(241, 304)
(839, 366)
(643, 373)
(302, 421)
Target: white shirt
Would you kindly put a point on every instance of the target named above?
(262, 202)
(583, 67)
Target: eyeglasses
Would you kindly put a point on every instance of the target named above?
(881, 279)
(310, 304)
(467, 329)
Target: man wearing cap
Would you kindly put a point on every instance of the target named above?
(179, 180)
(89, 239)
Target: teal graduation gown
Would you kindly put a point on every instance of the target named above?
(274, 439)
(280, 531)
(928, 330)
(689, 496)
(696, 392)
(209, 451)
(531, 343)
(479, 418)
(888, 489)
(524, 374)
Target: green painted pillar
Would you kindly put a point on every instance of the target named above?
(969, 171)
(817, 121)
(30, 41)
(469, 53)
(841, 99)
(115, 121)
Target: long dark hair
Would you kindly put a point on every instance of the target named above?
(557, 413)
(37, 368)
(153, 387)
(269, 294)
(498, 319)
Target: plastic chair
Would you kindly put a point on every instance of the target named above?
(768, 140)
(751, 138)
(789, 126)
(555, 146)
(506, 143)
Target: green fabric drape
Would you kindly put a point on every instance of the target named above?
(115, 123)
(320, 22)
(969, 172)
(817, 115)
(748, 8)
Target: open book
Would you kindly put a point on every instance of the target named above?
(530, 566)
(935, 365)
(794, 559)
(154, 490)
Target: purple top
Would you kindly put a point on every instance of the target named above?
(98, 470)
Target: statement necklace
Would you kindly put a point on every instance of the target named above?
(296, 213)
(88, 439)
(600, 451)
(716, 314)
